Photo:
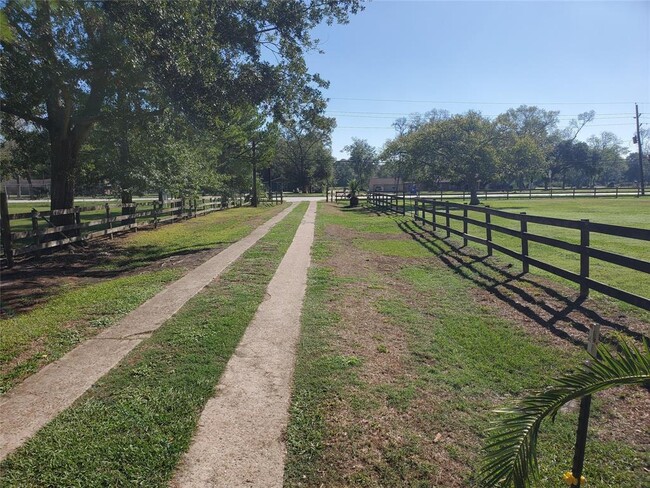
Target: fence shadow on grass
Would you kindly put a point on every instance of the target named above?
(546, 306)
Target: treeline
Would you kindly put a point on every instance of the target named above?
(521, 148)
(173, 95)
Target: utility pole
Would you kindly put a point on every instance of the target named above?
(638, 141)
(254, 197)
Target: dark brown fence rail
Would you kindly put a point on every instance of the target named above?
(439, 215)
(32, 232)
(389, 202)
(550, 192)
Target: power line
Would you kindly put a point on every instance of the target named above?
(475, 102)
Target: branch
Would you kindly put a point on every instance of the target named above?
(25, 116)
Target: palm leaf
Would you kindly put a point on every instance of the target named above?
(510, 457)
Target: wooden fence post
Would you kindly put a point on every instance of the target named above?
(107, 207)
(584, 258)
(574, 192)
(447, 218)
(465, 227)
(433, 214)
(37, 233)
(155, 214)
(617, 192)
(524, 242)
(6, 229)
(488, 232)
(594, 191)
(530, 193)
(77, 221)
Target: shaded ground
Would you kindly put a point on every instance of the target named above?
(34, 280)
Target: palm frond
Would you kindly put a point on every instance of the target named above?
(510, 457)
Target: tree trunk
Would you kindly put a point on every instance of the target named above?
(64, 164)
(473, 194)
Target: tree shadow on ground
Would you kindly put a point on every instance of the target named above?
(34, 280)
(558, 309)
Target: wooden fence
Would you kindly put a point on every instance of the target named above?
(392, 202)
(540, 193)
(106, 220)
(439, 215)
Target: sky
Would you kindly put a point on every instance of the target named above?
(399, 57)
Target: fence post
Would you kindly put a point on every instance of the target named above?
(447, 218)
(574, 192)
(524, 242)
(155, 214)
(6, 229)
(530, 193)
(551, 192)
(594, 191)
(488, 231)
(37, 233)
(507, 194)
(584, 258)
(583, 417)
(416, 211)
(464, 226)
(617, 192)
(433, 214)
(135, 220)
(107, 207)
(77, 221)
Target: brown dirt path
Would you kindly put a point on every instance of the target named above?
(240, 437)
(42, 396)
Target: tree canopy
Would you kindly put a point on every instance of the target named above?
(68, 66)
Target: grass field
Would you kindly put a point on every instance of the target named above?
(402, 360)
(133, 426)
(74, 311)
(630, 212)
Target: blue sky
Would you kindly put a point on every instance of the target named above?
(399, 57)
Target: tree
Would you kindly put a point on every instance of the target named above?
(607, 158)
(511, 448)
(64, 62)
(362, 159)
(530, 136)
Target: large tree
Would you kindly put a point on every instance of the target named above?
(531, 133)
(363, 159)
(64, 64)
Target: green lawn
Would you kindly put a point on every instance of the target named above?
(135, 423)
(629, 212)
(72, 313)
(402, 360)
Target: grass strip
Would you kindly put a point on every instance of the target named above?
(136, 422)
(418, 418)
(45, 334)
(75, 312)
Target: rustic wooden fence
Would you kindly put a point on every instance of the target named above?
(32, 232)
(389, 202)
(439, 215)
(540, 193)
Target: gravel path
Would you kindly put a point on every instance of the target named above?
(239, 442)
(42, 396)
